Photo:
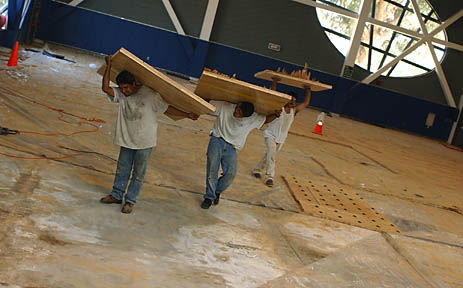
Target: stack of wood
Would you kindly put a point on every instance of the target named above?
(218, 73)
(298, 73)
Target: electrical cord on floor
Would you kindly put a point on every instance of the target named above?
(62, 114)
(6, 131)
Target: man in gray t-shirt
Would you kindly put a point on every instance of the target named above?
(136, 133)
(228, 136)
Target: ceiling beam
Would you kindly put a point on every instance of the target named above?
(75, 2)
(324, 6)
(358, 32)
(208, 21)
(440, 72)
(173, 17)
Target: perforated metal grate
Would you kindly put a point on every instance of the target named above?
(337, 203)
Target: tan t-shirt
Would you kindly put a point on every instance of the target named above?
(278, 128)
(137, 118)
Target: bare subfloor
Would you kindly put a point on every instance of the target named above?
(55, 233)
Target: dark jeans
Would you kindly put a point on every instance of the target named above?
(219, 152)
(130, 159)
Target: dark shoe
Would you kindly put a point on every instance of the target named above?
(256, 174)
(217, 198)
(206, 203)
(110, 199)
(269, 182)
(127, 208)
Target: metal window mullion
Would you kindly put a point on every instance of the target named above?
(336, 5)
(337, 33)
(372, 31)
(411, 10)
(392, 38)
(444, 25)
(393, 55)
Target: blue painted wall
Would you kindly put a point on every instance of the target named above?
(167, 50)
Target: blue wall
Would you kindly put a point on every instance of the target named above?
(167, 50)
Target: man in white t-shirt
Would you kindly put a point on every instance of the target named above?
(275, 135)
(228, 136)
(136, 133)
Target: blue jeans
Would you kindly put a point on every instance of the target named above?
(130, 159)
(219, 152)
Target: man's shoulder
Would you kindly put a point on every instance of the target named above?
(147, 90)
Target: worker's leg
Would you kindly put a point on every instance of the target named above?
(124, 167)
(272, 149)
(139, 169)
(260, 166)
(214, 156)
(229, 163)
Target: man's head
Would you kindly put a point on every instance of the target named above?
(243, 109)
(292, 102)
(126, 82)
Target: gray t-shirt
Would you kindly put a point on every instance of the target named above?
(137, 118)
(231, 129)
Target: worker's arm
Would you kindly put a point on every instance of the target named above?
(274, 83)
(105, 85)
(176, 112)
(269, 118)
(304, 104)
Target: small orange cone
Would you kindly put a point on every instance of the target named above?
(318, 128)
(14, 56)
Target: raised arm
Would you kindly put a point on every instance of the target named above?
(304, 104)
(269, 118)
(176, 112)
(105, 85)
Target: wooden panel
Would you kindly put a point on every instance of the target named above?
(338, 204)
(214, 86)
(291, 80)
(172, 92)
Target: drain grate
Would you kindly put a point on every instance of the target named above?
(337, 203)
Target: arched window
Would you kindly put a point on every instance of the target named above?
(379, 45)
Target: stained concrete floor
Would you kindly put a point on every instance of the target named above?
(55, 233)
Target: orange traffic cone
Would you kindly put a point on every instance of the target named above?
(14, 56)
(318, 128)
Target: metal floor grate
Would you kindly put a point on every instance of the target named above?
(337, 203)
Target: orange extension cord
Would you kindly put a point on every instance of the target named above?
(61, 118)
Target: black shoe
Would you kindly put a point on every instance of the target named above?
(127, 208)
(206, 203)
(217, 198)
(110, 199)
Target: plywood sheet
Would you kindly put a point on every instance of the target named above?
(172, 92)
(215, 86)
(338, 204)
(292, 81)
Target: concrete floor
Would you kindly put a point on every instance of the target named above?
(55, 233)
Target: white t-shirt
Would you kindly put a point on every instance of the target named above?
(278, 128)
(231, 129)
(137, 118)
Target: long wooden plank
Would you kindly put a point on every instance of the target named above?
(172, 92)
(213, 86)
(292, 81)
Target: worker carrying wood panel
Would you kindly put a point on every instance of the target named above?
(240, 108)
(136, 132)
